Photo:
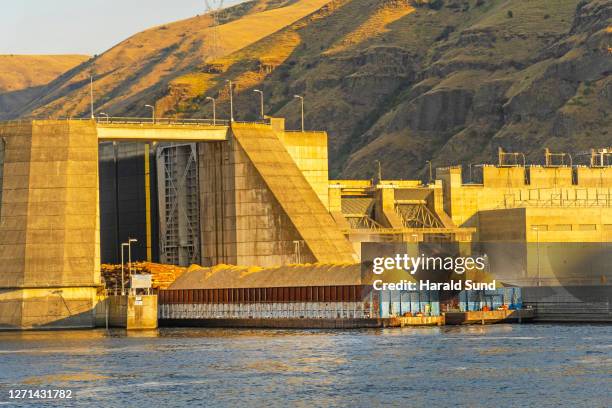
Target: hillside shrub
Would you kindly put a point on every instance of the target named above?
(432, 4)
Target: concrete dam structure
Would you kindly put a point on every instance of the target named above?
(262, 189)
(255, 194)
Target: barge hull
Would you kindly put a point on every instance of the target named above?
(277, 323)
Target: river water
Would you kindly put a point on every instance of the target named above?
(471, 366)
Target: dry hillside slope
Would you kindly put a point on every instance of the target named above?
(447, 80)
(401, 81)
(18, 72)
(138, 70)
(22, 76)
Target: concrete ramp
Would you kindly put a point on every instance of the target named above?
(293, 192)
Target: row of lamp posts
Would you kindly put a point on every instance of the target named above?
(231, 93)
(127, 244)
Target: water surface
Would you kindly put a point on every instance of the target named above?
(471, 366)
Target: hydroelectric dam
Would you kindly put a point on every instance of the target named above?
(248, 201)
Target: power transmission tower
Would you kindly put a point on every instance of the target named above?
(213, 8)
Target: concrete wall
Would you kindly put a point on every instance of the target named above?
(256, 200)
(553, 246)
(295, 195)
(594, 176)
(130, 312)
(506, 187)
(550, 228)
(309, 151)
(142, 312)
(49, 227)
(242, 222)
(111, 310)
(503, 225)
(550, 177)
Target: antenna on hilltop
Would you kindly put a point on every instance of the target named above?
(213, 8)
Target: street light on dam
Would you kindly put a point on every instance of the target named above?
(152, 112)
(214, 106)
(231, 95)
(430, 172)
(129, 244)
(123, 245)
(261, 102)
(379, 168)
(536, 228)
(301, 98)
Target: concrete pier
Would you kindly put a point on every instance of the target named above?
(132, 312)
(49, 229)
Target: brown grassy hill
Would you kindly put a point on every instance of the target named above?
(18, 72)
(138, 70)
(22, 76)
(410, 81)
(403, 81)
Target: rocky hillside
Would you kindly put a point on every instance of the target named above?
(452, 80)
(402, 81)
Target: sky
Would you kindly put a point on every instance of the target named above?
(84, 26)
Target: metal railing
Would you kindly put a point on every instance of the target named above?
(117, 120)
(127, 120)
(305, 131)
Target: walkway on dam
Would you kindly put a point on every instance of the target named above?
(161, 130)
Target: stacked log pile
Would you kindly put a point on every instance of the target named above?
(162, 275)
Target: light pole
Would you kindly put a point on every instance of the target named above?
(152, 112)
(91, 98)
(430, 172)
(104, 114)
(261, 102)
(130, 240)
(537, 230)
(301, 98)
(231, 93)
(123, 245)
(214, 104)
(379, 170)
(488, 265)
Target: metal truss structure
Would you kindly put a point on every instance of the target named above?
(417, 216)
(178, 204)
(213, 8)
